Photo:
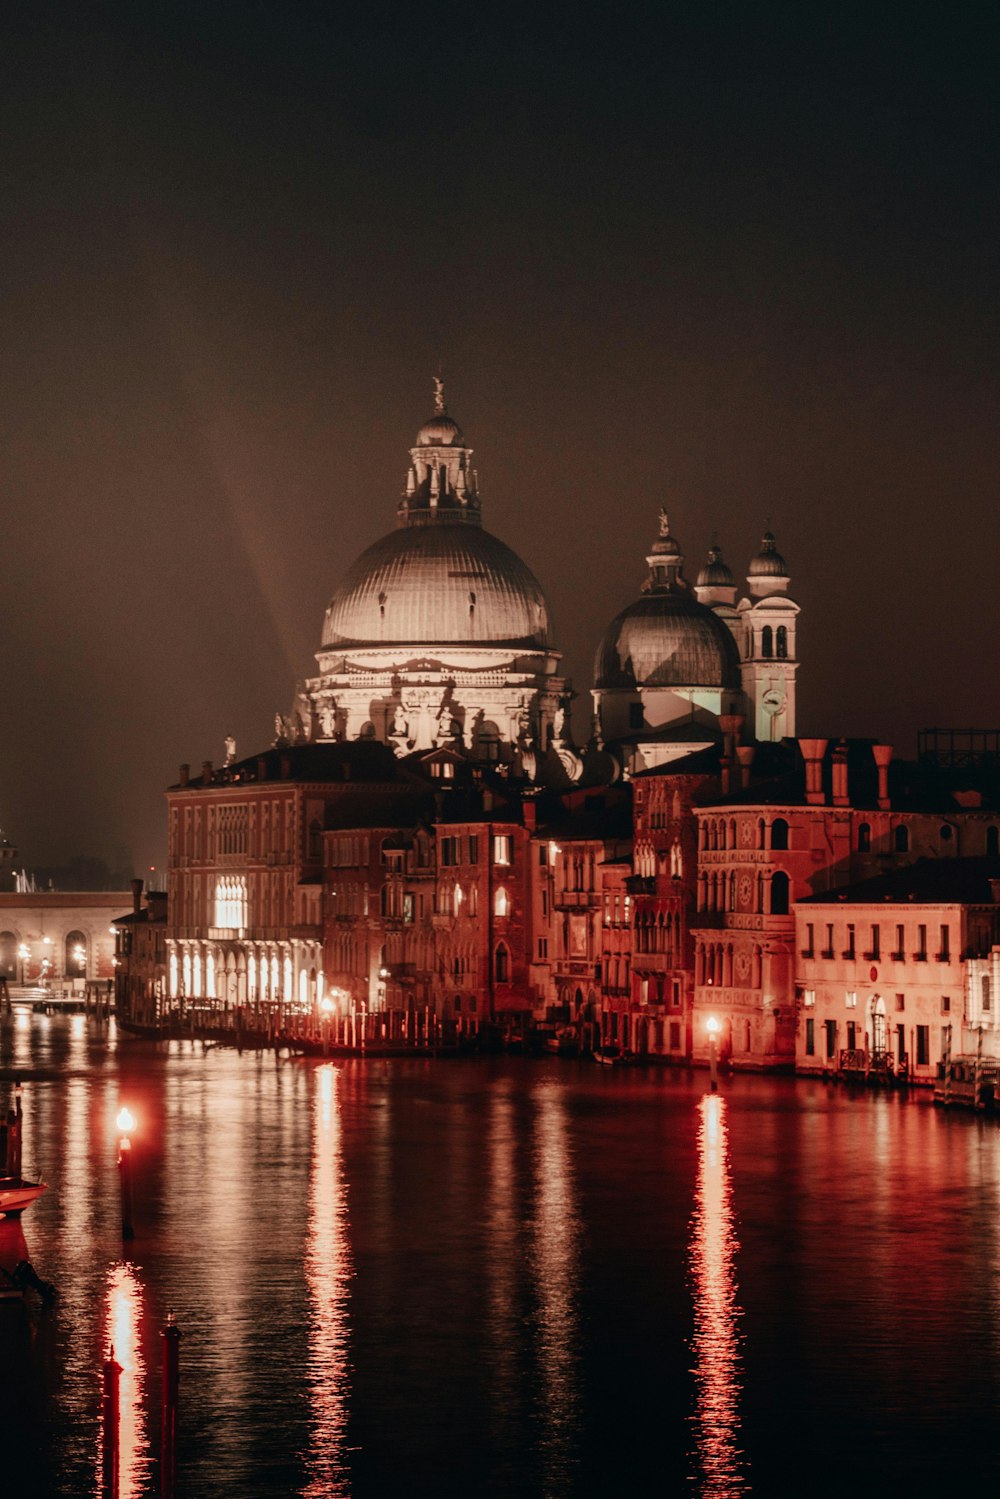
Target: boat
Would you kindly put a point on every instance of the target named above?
(16, 1194)
(612, 1056)
(565, 1043)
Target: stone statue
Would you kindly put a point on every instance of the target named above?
(279, 729)
(664, 523)
(439, 406)
(230, 749)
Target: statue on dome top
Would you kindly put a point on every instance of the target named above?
(439, 407)
(664, 522)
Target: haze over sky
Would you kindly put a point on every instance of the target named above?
(739, 261)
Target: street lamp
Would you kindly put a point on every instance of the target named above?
(24, 953)
(713, 1028)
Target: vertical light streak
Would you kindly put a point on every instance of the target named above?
(503, 1258)
(720, 1465)
(555, 1261)
(328, 1273)
(123, 1313)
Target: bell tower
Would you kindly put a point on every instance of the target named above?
(770, 662)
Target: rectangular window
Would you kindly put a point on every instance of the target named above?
(921, 953)
(849, 948)
(875, 942)
(831, 1039)
(851, 1033)
(473, 848)
(944, 948)
(851, 998)
(900, 1001)
(807, 951)
(543, 855)
(923, 1045)
(900, 952)
(809, 996)
(810, 1037)
(828, 949)
(545, 902)
(501, 848)
(543, 947)
(675, 1035)
(946, 1004)
(675, 993)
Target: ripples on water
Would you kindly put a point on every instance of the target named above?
(499, 1278)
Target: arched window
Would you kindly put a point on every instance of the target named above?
(864, 838)
(186, 971)
(760, 833)
(946, 832)
(732, 832)
(75, 964)
(993, 841)
(287, 974)
(901, 839)
(173, 975)
(779, 894)
(501, 965)
(210, 976)
(781, 643)
(779, 833)
(458, 897)
(489, 741)
(767, 642)
(501, 903)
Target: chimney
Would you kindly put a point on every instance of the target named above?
(813, 751)
(261, 768)
(726, 774)
(530, 813)
(883, 759)
(841, 797)
(286, 768)
(136, 896)
(745, 755)
(730, 724)
(185, 775)
(206, 772)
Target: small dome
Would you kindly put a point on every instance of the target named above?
(768, 563)
(715, 573)
(438, 585)
(667, 639)
(440, 432)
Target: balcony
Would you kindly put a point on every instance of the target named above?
(575, 900)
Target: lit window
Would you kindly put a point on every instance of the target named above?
(809, 996)
(851, 998)
(231, 903)
(501, 848)
(501, 903)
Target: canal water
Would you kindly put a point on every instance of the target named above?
(505, 1277)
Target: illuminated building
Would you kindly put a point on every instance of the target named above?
(439, 634)
(897, 974)
(58, 937)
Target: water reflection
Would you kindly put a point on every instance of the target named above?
(555, 1262)
(328, 1273)
(123, 1313)
(719, 1462)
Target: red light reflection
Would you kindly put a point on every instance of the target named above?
(719, 1461)
(123, 1312)
(328, 1273)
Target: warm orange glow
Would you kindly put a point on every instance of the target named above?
(326, 1005)
(712, 1026)
(714, 1244)
(123, 1308)
(328, 1274)
(125, 1121)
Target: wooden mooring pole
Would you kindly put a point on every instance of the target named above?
(171, 1336)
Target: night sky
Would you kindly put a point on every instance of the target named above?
(737, 261)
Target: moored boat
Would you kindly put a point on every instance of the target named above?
(16, 1194)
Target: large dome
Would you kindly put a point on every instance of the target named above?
(438, 585)
(667, 639)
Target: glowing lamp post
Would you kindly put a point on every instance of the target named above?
(126, 1123)
(326, 1006)
(713, 1027)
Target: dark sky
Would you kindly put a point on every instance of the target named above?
(740, 261)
